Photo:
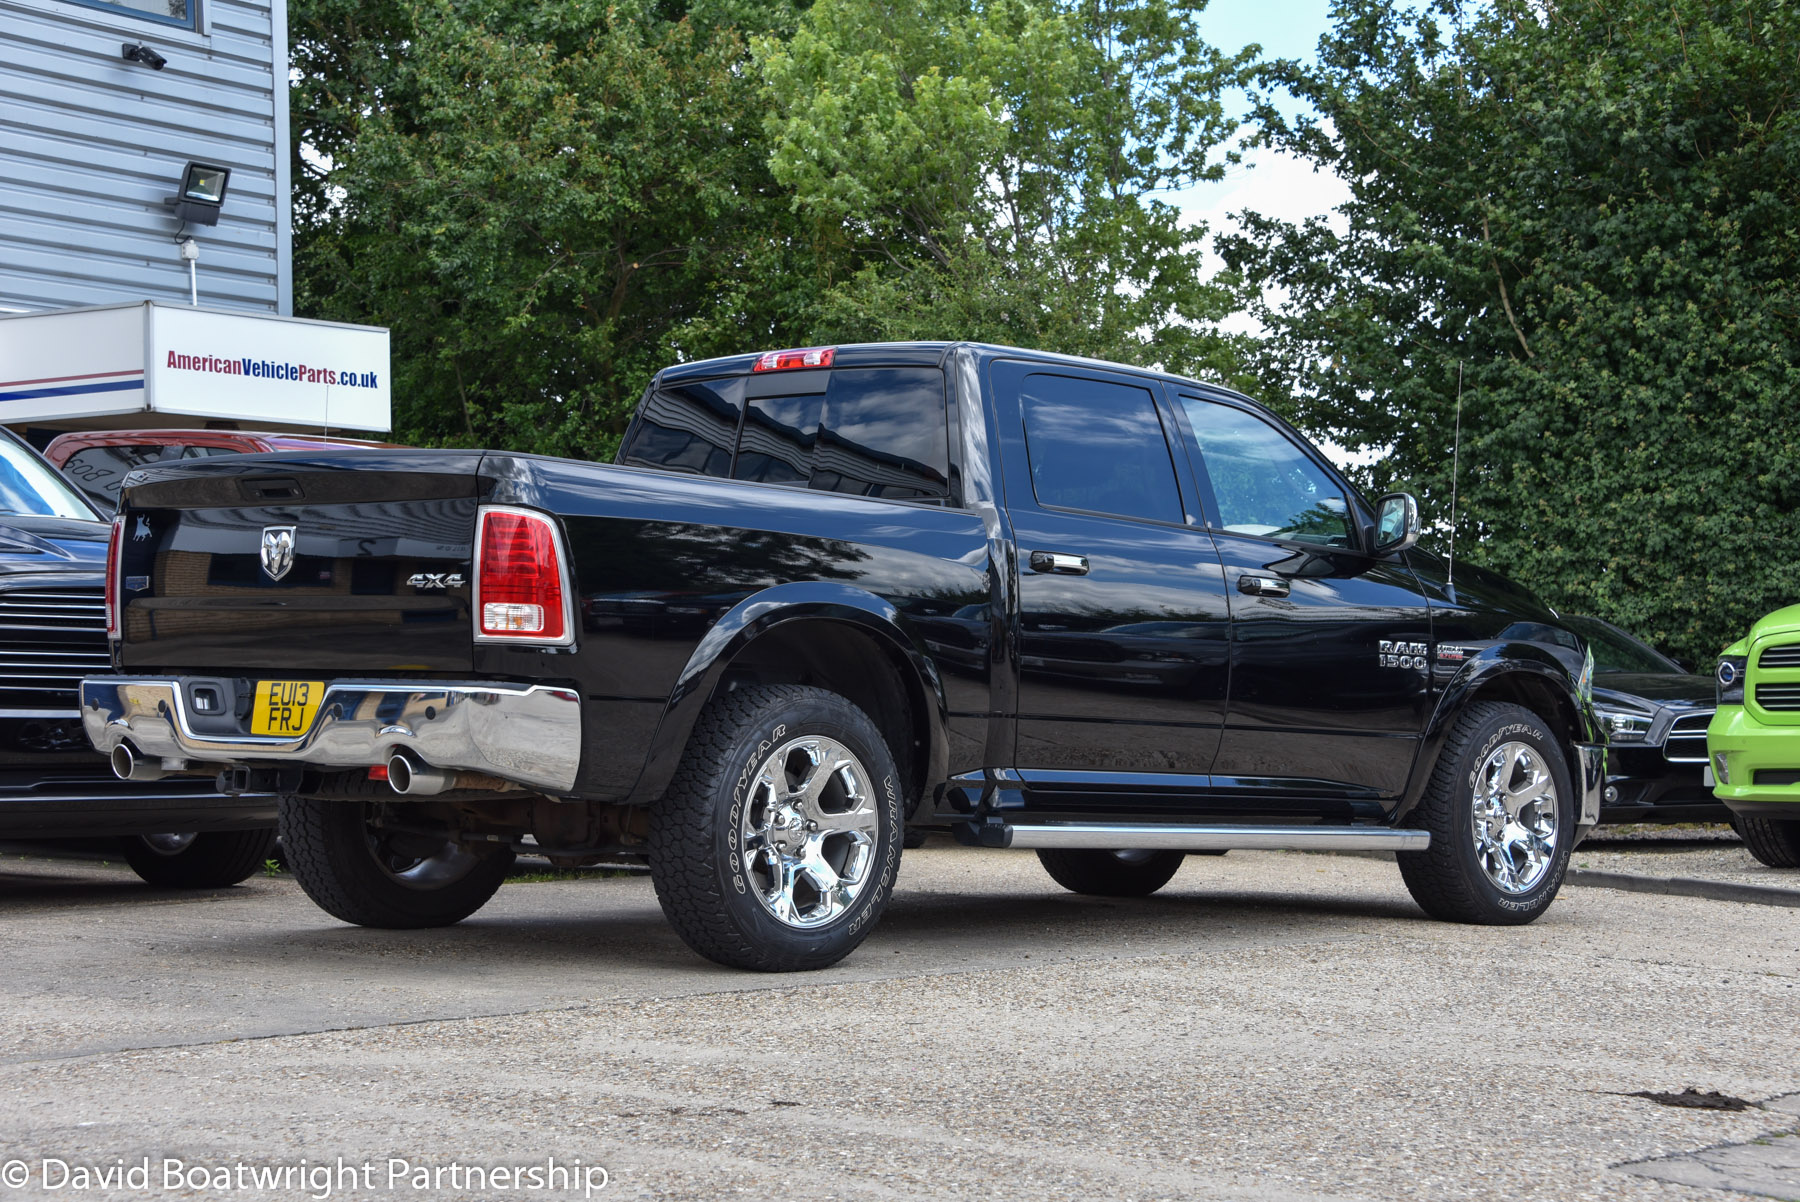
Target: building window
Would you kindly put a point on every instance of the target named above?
(181, 13)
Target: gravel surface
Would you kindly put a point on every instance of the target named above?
(1272, 1027)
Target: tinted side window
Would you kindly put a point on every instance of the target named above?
(687, 429)
(776, 446)
(885, 434)
(1263, 483)
(98, 471)
(1099, 447)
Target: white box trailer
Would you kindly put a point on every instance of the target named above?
(150, 365)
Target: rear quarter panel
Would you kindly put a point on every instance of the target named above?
(674, 573)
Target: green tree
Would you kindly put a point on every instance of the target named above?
(1589, 204)
(545, 202)
(991, 169)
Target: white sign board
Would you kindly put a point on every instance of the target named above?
(204, 363)
(85, 362)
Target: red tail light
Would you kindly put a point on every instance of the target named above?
(115, 547)
(521, 594)
(809, 356)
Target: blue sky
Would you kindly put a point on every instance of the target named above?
(1273, 184)
(1284, 28)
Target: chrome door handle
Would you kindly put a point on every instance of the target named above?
(1262, 586)
(1058, 564)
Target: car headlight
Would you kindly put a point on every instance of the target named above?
(1623, 726)
(1729, 677)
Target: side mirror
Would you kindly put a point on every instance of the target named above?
(1396, 523)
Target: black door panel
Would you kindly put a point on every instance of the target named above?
(1122, 624)
(1330, 684)
(1330, 648)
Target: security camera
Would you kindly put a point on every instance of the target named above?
(133, 52)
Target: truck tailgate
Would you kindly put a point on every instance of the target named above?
(310, 564)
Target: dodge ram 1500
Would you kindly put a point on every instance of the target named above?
(826, 596)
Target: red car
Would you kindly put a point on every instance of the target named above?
(96, 460)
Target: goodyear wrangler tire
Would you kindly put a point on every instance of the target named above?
(777, 844)
(1501, 811)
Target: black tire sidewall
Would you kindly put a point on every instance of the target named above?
(1774, 842)
(1517, 725)
(817, 714)
(329, 855)
(214, 860)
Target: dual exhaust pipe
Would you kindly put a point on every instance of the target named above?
(412, 776)
(127, 764)
(406, 774)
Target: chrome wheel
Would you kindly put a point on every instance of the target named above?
(171, 844)
(1515, 817)
(807, 834)
(420, 861)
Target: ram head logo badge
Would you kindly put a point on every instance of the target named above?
(277, 550)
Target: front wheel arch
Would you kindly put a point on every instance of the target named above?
(1523, 676)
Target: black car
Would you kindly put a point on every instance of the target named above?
(829, 594)
(1655, 713)
(178, 831)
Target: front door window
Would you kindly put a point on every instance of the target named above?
(1263, 484)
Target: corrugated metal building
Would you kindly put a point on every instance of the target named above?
(91, 142)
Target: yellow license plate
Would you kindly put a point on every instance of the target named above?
(285, 707)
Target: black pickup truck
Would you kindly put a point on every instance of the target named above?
(827, 597)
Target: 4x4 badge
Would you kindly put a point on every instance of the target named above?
(277, 550)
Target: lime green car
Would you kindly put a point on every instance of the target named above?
(1753, 742)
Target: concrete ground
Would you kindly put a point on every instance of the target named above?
(1272, 1026)
(1712, 853)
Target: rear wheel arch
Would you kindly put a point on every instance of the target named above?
(833, 637)
(857, 664)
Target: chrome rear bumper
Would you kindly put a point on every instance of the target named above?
(529, 734)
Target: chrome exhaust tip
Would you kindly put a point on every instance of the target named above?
(126, 765)
(416, 779)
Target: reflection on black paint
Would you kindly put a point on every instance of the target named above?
(1309, 695)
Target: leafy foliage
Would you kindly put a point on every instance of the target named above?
(991, 171)
(1589, 205)
(545, 202)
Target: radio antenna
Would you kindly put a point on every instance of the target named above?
(1455, 463)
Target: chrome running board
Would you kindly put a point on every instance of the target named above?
(1129, 836)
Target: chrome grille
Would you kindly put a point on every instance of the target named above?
(1686, 741)
(1778, 696)
(49, 640)
(1780, 657)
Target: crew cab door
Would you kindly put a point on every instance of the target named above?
(1122, 618)
(1330, 647)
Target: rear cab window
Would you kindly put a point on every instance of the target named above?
(1098, 447)
(860, 431)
